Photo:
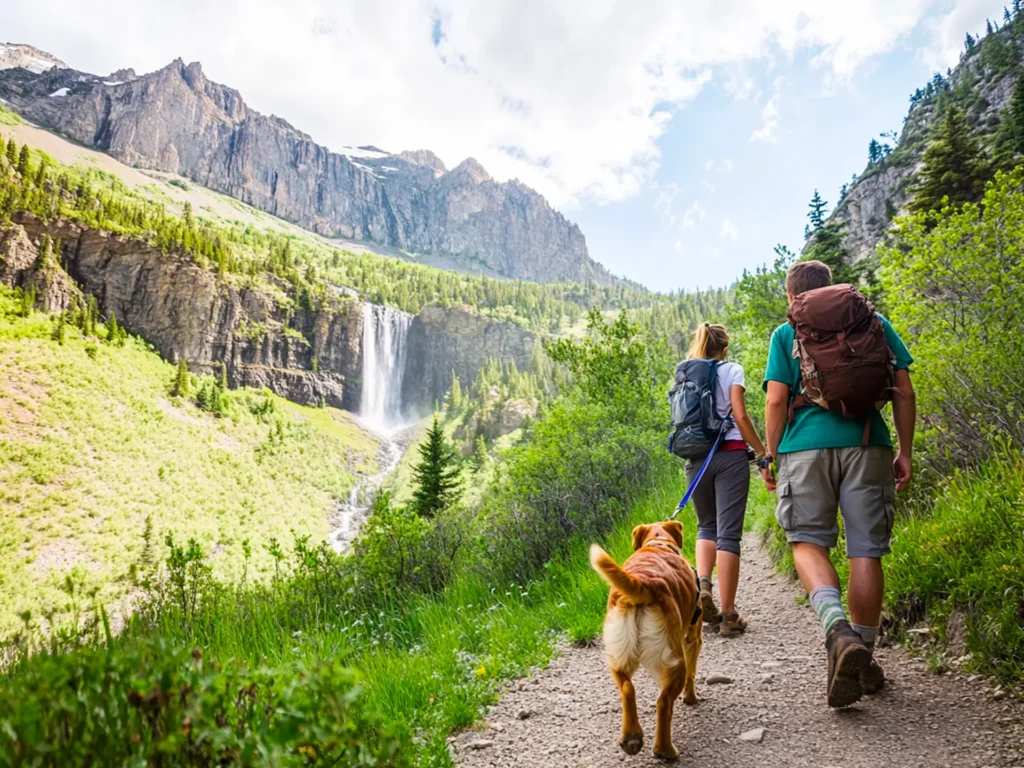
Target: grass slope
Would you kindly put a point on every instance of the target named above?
(92, 444)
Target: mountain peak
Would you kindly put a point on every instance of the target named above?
(28, 57)
(423, 157)
(472, 167)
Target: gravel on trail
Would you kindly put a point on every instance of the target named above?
(568, 714)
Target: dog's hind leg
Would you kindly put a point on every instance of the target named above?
(632, 740)
(672, 685)
(692, 653)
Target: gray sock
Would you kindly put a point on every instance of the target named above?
(867, 634)
(828, 604)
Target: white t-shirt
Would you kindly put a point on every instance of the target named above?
(729, 375)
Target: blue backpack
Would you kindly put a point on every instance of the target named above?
(695, 420)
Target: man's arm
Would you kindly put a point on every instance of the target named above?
(904, 416)
(776, 413)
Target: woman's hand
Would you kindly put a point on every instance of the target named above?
(769, 479)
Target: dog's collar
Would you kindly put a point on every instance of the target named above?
(656, 542)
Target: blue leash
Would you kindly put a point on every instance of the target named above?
(703, 469)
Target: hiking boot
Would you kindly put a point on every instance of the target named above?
(732, 625)
(872, 678)
(848, 658)
(712, 616)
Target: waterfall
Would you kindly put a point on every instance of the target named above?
(384, 331)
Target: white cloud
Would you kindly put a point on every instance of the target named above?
(770, 115)
(705, 184)
(728, 231)
(678, 247)
(728, 165)
(694, 214)
(571, 103)
(949, 30)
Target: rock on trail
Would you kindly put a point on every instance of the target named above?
(778, 685)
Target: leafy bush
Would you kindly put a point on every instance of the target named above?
(966, 555)
(598, 445)
(956, 290)
(155, 704)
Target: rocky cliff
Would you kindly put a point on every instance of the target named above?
(457, 339)
(177, 120)
(883, 190)
(187, 312)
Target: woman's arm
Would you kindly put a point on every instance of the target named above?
(737, 396)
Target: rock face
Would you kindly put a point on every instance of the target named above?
(187, 312)
(457, 339)
(883, 190)
(25, 56)
(177, 120)
(184, 311)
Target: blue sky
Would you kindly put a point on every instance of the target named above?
(759, 189)
(685, 138)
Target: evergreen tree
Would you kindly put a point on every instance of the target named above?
(479, 453)
(59, 329)
(968, 43)
(989, 29)
(181, 381)
(1006, 15)
(113, 332)
(827, 246)
(3, 147)
(817, 211)
(222, 382)
(23, 159)
(1010, 137)
(455, 393)
(12, 153)
(874, 152)
(953, 166)
(188, 215)
(438, 485)
(41, 173)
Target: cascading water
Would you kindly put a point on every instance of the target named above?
(384, 332)
(380, 409)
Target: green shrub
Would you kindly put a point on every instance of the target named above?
(966, 555)
(155, 704)
(956, 288)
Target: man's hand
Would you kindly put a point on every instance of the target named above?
(769, 480)
(901, 467)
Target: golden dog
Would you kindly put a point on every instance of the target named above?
(653, 620)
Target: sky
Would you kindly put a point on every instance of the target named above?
(685, 138)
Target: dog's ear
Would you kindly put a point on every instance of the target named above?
(675, 530)
(639, 534)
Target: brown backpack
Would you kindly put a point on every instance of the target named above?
(845, 364)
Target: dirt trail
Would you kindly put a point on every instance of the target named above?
(568, 714)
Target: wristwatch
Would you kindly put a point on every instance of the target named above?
(766, 462)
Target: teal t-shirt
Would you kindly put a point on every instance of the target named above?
(813, 427)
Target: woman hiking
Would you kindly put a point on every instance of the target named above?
(720, 499)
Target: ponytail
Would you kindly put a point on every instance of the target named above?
(709, 341)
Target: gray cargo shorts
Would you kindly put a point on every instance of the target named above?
(813, 485)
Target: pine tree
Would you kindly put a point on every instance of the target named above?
(41, 173)
(3, 147)
(479, 453)
(222, 382)
(12, 153)
(188, 215)
(438, 485)
(23, 159)
(1010, 137)
(113, 332)
(817, 211)
(1006, 15)
(455, 393)
(59, 329)
(181, 381)
(874, 152)
(954, 166)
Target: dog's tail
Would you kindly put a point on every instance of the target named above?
(634, 590)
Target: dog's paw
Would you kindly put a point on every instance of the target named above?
(692, 699)
(632, 743)
(667, 753)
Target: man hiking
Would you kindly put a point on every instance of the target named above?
(828, 369)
